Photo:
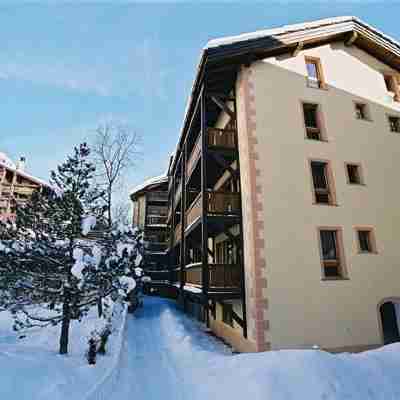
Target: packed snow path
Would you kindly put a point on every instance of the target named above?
(164, 354)
(168, 356)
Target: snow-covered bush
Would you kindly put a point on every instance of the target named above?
(49, 272)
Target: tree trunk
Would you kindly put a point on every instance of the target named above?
(100, 306)
(109, 205)
(65, 322)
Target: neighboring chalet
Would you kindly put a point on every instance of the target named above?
(150, 206)
(284, 207)
(16, 186)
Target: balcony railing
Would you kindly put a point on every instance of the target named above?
(157, 196)
(221, 276)
(178, 233)
(194, 211)
(156, 220)
(223, 202)
(193, 274)
(224, 138)
(224, 275)
(155, 247)
(194, 156)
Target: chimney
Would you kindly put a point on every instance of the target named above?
(21, 163)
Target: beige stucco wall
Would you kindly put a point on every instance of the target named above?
(303, 310)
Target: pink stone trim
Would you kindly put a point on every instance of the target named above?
(256, 268)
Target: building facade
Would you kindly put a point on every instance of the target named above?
(150, 206)
(283, 205)
(16, 186)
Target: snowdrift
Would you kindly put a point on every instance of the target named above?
(31, 367)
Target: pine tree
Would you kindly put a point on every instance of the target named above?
(48, 273)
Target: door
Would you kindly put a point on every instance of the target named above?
(390, 325)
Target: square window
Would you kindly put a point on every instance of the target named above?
(323, 193)
(311, 120)
(354, 174)
(366, 240)
(361, 111)
(394, 123)
(332, 259)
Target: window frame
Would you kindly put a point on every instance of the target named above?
(319, 70)
(366, 111)
(320, 129)
(395, 82)
(342, 268)
(389, 116)
(371, 239)
(330, 179)
(360, 173)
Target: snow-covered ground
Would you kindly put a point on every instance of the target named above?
(31, 368)
(168, 356)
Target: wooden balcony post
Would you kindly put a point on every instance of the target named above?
(204, 231)
(182, 244)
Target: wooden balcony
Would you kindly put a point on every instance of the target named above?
(157, 196)
(194, 157)
(223, 202)
(155, 247)
(218, 203)
(221, 276)
(178, 233)
(156, 220)
(221, 138)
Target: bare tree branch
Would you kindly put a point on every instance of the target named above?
(116, 148)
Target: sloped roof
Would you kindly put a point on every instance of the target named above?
(6, 162)
(295, 28)
(248, 47)
(157, 180)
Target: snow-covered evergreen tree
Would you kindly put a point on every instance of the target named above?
(49, 273)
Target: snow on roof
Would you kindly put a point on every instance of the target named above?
(6, 162)
(293, 28)
(149, 182)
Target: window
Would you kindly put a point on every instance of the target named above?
(311, 119)
(394, 123)
(322, 189)
(354, 174)
(227, 314)
(361, 111)
(392, 86)
(331, 253)
(314, 73)
(366, 240)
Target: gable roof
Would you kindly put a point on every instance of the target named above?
(226, 54)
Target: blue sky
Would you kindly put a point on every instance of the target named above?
(64, 68)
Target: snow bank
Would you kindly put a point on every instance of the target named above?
(193, 365)
(31, 367)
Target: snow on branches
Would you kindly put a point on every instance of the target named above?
(50, 272)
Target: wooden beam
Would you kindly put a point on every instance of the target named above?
(351, 39)
(223, 106)
(221, 161)
(205, 277)
(297, 49)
